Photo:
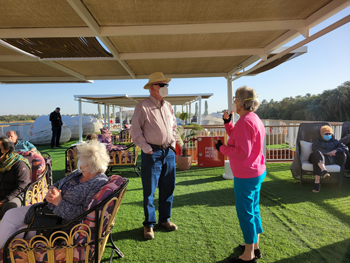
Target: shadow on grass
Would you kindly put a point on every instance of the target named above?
(200, 181)
(281, 192)
(337, 252)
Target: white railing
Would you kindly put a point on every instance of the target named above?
(20, 129)
(279, 141)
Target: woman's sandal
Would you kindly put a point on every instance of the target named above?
(257, 251)
(325, 174)
(317, 188)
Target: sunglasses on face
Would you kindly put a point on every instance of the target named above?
(328, 133)
(161, 85)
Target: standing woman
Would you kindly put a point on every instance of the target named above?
(245, 151)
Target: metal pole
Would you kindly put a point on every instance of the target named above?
(104, 116)
(200, 111)
(109, 124)
(80, 123)
(120, 118)
(189, 115)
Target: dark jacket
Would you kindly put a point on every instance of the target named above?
(54, 121)
(327, 146)
(13, 182)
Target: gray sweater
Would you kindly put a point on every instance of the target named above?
(76, 200)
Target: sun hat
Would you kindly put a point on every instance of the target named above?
(155, 77)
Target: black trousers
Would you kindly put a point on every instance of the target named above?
(317, 157)
(56, 135)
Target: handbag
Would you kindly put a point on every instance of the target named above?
(44, 217)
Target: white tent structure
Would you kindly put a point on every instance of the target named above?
(40, 132)
(130, 101)
(89, 125)
(73, 126)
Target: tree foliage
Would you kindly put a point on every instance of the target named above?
(330, 105)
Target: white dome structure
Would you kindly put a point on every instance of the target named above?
(73, 126)
(90, 124)
(40, 132)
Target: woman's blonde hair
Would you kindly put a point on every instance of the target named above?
(95, 154)
(325, 129)
(248, 98)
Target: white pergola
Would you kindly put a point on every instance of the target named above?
(130, 101)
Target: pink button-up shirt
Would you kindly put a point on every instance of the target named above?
(153, 122)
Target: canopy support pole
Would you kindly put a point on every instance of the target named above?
(80, 123)
(109, 124)
(200, 111)
(120, 118)
(104, 125)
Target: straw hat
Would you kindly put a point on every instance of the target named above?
(156, 77)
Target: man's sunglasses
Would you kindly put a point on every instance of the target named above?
(328, 133)
(161, 84)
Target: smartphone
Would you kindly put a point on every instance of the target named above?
(214, 140)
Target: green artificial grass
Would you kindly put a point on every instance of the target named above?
(299, 226)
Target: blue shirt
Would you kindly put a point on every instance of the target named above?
(24, 146)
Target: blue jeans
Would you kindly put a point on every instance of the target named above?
(247, 196)
(159, 169)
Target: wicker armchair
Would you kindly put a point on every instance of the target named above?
(119, 155)
(125, 136)
(87, 238)
(301, 169)
(345, 138)
(41, 177)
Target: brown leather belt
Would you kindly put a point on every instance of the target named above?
(160, 147)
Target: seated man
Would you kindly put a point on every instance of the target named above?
(22, 145)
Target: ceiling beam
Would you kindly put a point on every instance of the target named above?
(85, 15)
(64, 69)
(193, 75)
(315, 36)
(192, 54)
(16, 58)
(201, 28)
(34, 79)
(46, 32)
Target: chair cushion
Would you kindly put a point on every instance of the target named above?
(305, 150)
(37, 163)
(113, 184)
(104, 138)
(334, 168)
(105, 131)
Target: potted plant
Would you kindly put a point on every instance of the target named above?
(184, 160)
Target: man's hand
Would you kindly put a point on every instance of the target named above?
(226, 117)
(218, 145)
(332, 153)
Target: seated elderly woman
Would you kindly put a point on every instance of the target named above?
(324, 152)
(70, 196)
(14, 176)
(21, 145)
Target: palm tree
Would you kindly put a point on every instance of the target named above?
(337, 101)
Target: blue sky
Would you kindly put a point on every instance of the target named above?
(325, 66)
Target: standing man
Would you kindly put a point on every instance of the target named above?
(56, 123)
(153, 129)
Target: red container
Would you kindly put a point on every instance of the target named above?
(207, 155)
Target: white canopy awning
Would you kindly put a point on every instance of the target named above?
(130, 101)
